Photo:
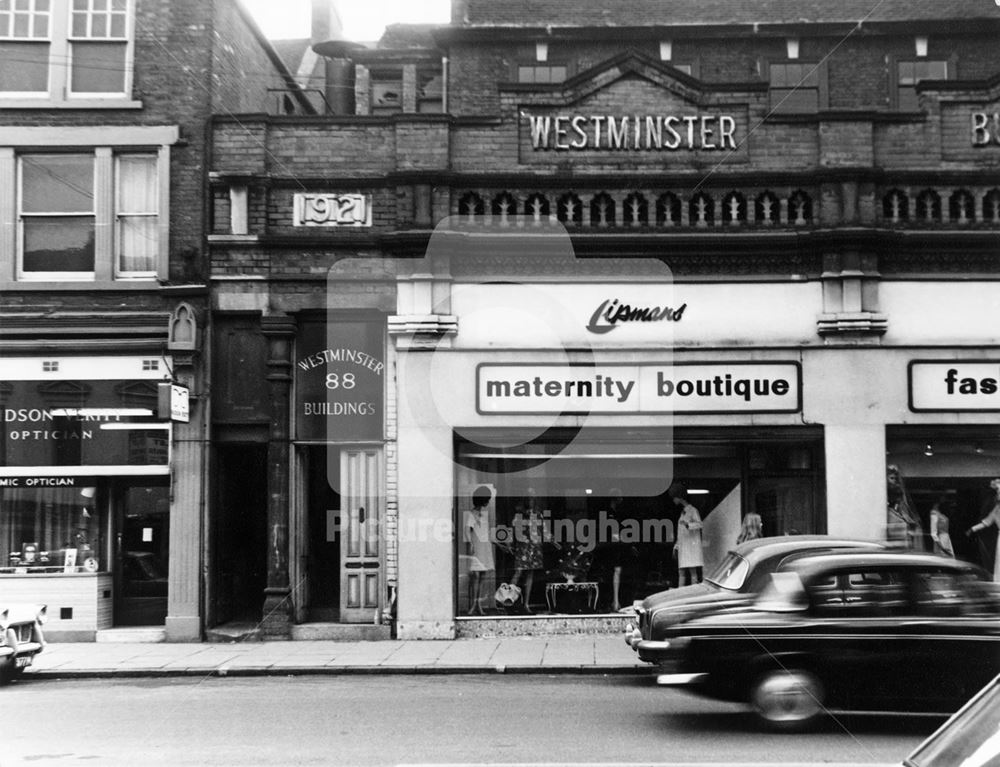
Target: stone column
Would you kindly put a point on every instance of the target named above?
(277, 619)
(183, 623)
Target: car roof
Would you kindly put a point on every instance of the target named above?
(808, 565)
(779, 544)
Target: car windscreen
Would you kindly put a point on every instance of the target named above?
(969, 739)
(731, 572)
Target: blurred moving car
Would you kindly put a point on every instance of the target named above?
(21, 638)
(743, 573)
(970, 738)
(862, 631)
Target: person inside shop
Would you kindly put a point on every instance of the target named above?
(528, 542)
(622, 556)
(940, 517)
(903, 524)
(991, 519)
(479, 546)
(751, 529)
(688, 549)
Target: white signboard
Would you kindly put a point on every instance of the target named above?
(659, 315)
(955, 385)
(647, 388)
(175, 402)
(332, 209)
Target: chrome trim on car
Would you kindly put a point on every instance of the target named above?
(652, 644)
(677, 680)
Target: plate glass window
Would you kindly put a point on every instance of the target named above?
(57, 215)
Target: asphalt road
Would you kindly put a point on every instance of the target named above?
(393, 720)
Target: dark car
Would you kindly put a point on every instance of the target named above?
(862, 631)
(739, 577)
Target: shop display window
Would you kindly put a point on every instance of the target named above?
(943, 491)
(586, 525)
(51, 530)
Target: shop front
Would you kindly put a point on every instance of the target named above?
(85, 491)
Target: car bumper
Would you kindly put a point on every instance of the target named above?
(632, 636)
(652, 650)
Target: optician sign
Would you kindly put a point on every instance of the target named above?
(579, 389)
(954, 385)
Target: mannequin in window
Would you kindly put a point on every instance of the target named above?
(528, 554)
(992, 519)
(478, 546)
(688, 549)
(940, 514)
(622, 556)
(903, 524)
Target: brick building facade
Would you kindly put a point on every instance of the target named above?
(104, 296)
(804, 209)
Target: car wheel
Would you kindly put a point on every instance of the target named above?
(787, 699)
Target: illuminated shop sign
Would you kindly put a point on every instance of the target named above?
(647, 388)
(985, 128)
(339, 381)
(332, 209)
(954, 385)
(630, 132)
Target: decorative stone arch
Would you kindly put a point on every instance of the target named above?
(800, 208)
(961, 207)
(537, 207)
(668, 210)
(602, 210)
(569, 209)
(635, 210)
(471, 205)
(734, 209)
(701, 210)
(182, 334)
(991, 207)
(767, 208)
(895, 206)
(928, 206)
(504, 207)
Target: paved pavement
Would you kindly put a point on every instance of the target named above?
(545, 655)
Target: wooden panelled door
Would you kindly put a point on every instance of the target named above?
(361, 514)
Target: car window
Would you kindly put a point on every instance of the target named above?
(942, 593)
(731, 573)
(860, 593)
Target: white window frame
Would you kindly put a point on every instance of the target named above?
(119, 273)
(103, 142)
(47, 40)
(32, 276)
(60, 70)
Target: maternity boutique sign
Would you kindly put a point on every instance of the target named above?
(339, 381)
(954, 385)
(652, 388)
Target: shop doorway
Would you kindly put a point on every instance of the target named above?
(142, 555)
(239, 534)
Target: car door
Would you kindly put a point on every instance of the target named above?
(865, 659)
(955, 627)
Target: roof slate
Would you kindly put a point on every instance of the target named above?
(584, 13)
